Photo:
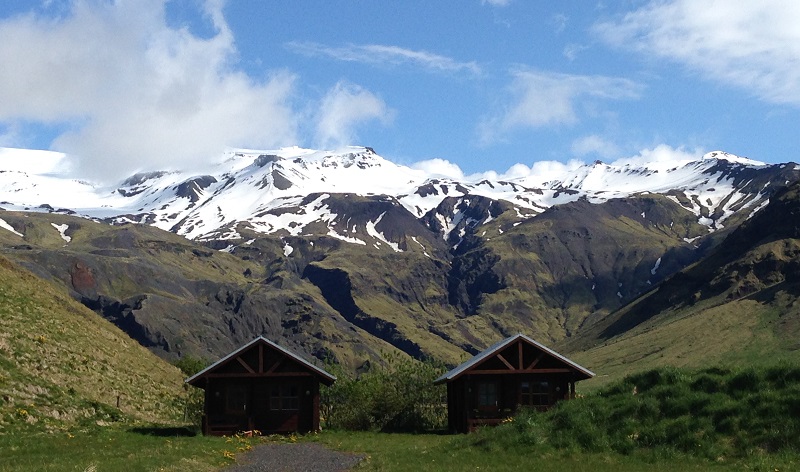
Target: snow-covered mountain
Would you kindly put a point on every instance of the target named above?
(285, 191)
(345, 253)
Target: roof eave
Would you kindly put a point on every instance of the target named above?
(324, 375)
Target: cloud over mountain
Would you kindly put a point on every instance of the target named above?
(124, 90)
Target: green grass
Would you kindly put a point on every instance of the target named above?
(430, 452)
(62, 366)
(129, 449)
(741, 416)
(738, 334)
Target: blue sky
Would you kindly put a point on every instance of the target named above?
(455, 86)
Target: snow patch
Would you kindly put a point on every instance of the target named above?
(655, 267)
(62, 230)
(7, 226)
(378, 235)
(336, 235)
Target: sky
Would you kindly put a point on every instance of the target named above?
(456, 87)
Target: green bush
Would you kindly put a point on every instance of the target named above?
(192, 402)
(399, 396)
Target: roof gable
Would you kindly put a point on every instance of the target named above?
(500, 357)
(261, 357)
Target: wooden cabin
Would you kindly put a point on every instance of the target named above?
(512, 373)
(261, 386)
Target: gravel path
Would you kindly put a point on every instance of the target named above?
(305, 457)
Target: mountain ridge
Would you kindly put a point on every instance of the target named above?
(266, 190)
(309, 248)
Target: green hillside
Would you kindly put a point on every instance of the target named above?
(62, 365)
(738, 306)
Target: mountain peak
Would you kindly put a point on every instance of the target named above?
(732, 158)
(265, 188)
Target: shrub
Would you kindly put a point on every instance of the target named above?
(192, 402)
(400, 396)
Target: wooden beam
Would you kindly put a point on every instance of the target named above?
(244, 364)
(519, 350)
(255, 374)
(535, 361)
(275, 365)
(526, 371)
(508, 364)
(260, 357)
(561, 370)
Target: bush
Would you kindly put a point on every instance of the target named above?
(192, 402)
(400, 396)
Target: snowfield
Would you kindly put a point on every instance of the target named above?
(266, 189)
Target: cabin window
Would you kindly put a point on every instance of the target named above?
(534, 393)
(284, 397)
(236, 399)
(487, 394)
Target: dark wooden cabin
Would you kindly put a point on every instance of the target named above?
(512, 373)
(261, 386)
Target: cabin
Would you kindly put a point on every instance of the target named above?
(515, 372)
(261, 386)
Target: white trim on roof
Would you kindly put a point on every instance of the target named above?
(499, 346)
(289, 353)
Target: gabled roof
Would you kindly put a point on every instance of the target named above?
(326, 377)
(496, 348)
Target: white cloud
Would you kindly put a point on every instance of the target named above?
(536, 174)
(661, 156)
(560, 21)
(537, 99)
(496, 3)
(594, 144)
(753, 45)
(540, 171)
(572, 50)
(383, 54)
(345, 107)
(136, 92)
(551, 170)
(440, 168)
(9, 135)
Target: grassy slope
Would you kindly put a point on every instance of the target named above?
(61, 364)
(739, 306)
(741, 333)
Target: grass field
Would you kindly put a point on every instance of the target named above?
(170, 450)
(427, 452)
(116, 448)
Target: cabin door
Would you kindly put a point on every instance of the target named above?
(237, 404)
(280, 411)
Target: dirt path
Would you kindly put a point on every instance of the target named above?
(305, 457)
